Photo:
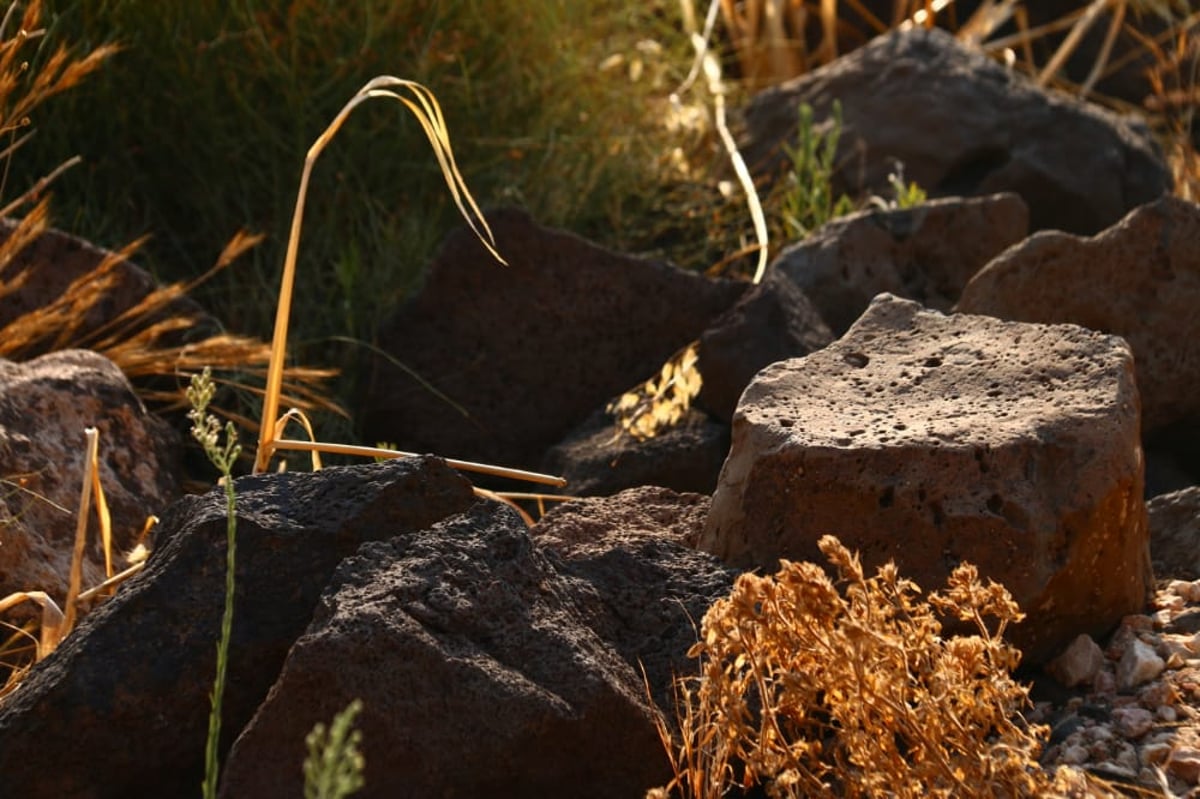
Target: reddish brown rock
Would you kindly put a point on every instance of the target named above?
(931, 439)
(1175, 533)
(523, 354)
(962, 125)
(1139, 279)
(926, 253)
(45, 406)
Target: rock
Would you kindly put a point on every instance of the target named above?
(520, 355)
(42, 270)
(45, 406)
(1139, 663)
(964, 125)
(1139, 279)
(1184, 763)
(773, 321)
(1078, 664)
(598, 459)
(1174, 521)
(640, 582)
(928, 440)
(477, 674)
(926, 253)
(129, 689)
(1132, 722)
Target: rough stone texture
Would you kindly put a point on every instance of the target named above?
(931, 439)
(926, 253)
(48, 264)
(641, 583)
(598, 459)
(1139, 663)
(773, 321)
(1078, 664)
(1139, 279)
(528, 351)
(963, 125)
(1175, 533)
(477, 673)
(123, 703)
(45, 406)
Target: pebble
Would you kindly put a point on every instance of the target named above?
(1139, 664)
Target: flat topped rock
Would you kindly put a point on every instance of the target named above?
(930, 439)
(905, 376)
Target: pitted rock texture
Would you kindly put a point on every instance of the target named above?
(639, 581)
(772, 321)
(523, 354)
(1175, 533)
(1139, 279)
(129, 688)
(477, 674)
(46, 404)
(929, 439)
(964, 125)
(926, 253)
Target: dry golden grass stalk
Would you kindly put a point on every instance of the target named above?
(848, 687)
(662, 401)
(423, 105)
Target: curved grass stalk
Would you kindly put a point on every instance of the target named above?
(424, 106)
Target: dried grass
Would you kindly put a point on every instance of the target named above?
(849, 687)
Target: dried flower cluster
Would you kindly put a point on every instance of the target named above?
(661, 401)
(821, 688)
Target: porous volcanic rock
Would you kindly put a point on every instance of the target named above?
(962, 124)
(1140, 279)
(926, 253)
(477, 674)
(772, 321)
(1175, 533)
(598, 458)
(123, 702)
(641, 583)
(928, 440)
(528, 351)
(46, 404)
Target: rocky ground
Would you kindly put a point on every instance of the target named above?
(1132, 717)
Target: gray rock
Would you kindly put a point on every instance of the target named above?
(1139, 279)
(478, 675)
(527, 352)
(931, 439)
(598, 459)
(772, 321)
(45, 406)
(129, 689)
(1174, 521)
(640, 582)
(926, 253)
(964, 125)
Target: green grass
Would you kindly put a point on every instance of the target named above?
(200, 125)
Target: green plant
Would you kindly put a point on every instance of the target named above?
(905, 193)
(808, 200)
(849, 687)
(206, 429)
(334, 766)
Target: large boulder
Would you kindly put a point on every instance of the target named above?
(1139, 279)
(1175, 534)
(962, 124)
(45, 406)
(511, 359)
(123, 702)
(640, 581)
(925, 253)
(928, 440)
(478, 674)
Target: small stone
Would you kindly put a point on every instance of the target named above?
(1138, 664)
(1166, 713)
(1193, 643)
(1079, 663)
(1074, 755)
(1155, 754)
(1184, 763)
(1132, 722)
(1127, 758)
(1175, 660)
(1105, 682)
